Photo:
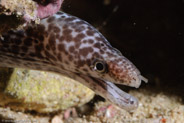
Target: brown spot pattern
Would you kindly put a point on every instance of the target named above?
(67, 31)
(52, 42)
(61, 47)
(71, 49)
(85, 51)
(28, 41)
(68, 38)
(90, 41)
(79, 37)
(90, 32)
(59, 57)
(24, 49)
(56, 29)
(50, 27)
(70, 19)
(97, 45)
(38, 42)
(50, 56)
(51, 19)
(41, 28)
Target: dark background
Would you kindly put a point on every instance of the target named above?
(150, 33)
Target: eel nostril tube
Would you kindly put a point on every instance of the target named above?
(143, 78)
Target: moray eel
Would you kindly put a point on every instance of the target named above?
(69, 46)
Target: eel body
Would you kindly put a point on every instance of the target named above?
(70, 46)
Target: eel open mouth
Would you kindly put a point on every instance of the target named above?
(121, 98)
(111, 92)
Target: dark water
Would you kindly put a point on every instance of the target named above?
(148, 32)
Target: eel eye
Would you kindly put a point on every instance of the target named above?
(100, 67)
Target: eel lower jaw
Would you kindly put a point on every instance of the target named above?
(109, 91)
(120, 98)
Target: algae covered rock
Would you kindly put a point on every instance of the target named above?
(40, 91)
(17, 13)
(19, 7)
(14, 12)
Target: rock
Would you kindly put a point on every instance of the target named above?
(14, 13)
(44, 92)
(18, 7)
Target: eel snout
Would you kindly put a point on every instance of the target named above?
(136, 82)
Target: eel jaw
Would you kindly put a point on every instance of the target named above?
(121, 98)
(110, 92)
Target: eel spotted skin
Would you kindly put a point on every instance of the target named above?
(69, 46)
